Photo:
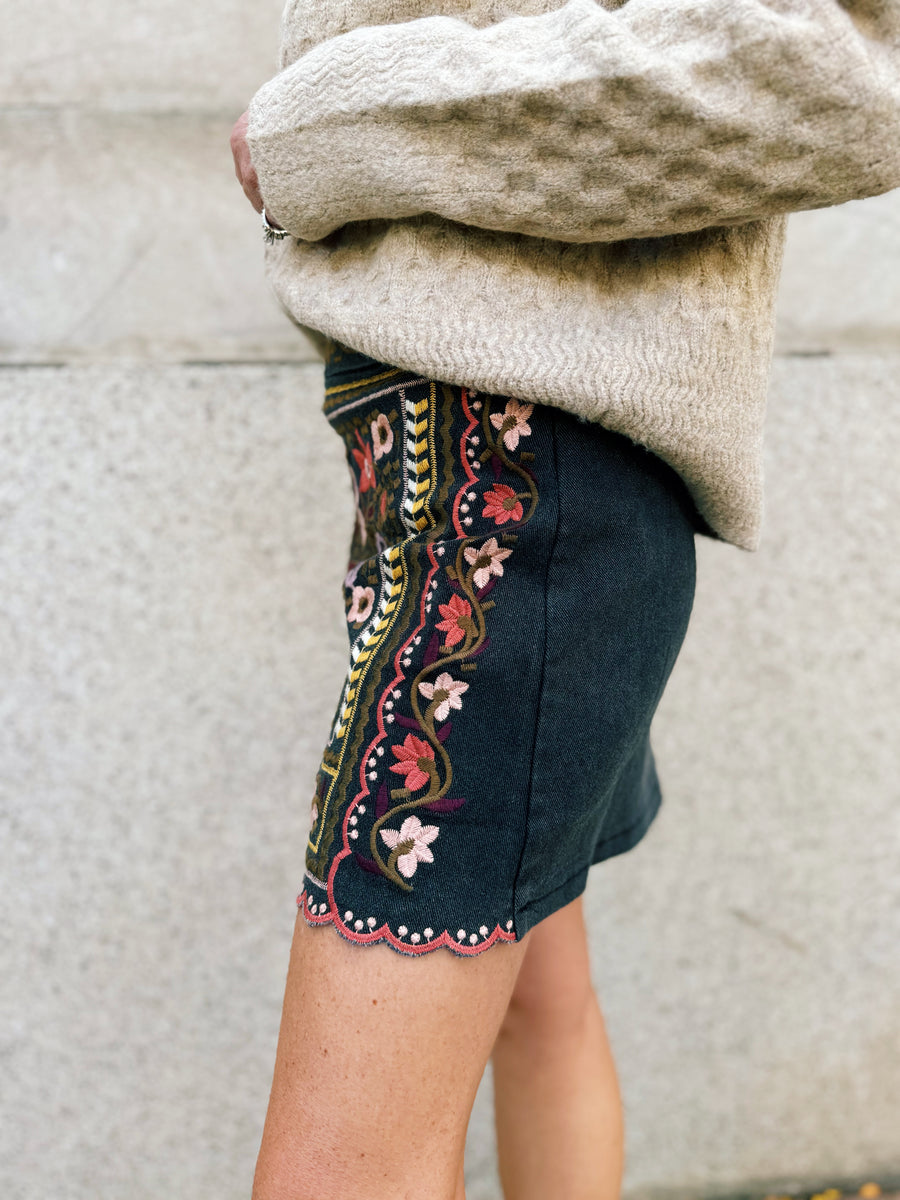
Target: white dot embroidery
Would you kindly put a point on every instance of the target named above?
(396, 693)
(353, 819)
(470, 496)
(354, 833)
(388, 704)
(429, 933)
(467, 520)
(373, 774)
(473, 937)
(402, 930)
(509, 924)
(464, 508)
(357, 924)
(483, 931)
(415, 937)
(372, 762)
(371, 922)
(476, 464)
(460, 934)
(389, 717)
(362, 808)
(440, 549)
(348, 916)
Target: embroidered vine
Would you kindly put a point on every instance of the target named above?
(421, 757)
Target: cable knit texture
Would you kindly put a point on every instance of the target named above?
(576, 204)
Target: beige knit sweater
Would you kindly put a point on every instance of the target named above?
(575, 204)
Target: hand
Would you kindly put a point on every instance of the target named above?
(243, 167)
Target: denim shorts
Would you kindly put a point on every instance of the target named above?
(518, 587)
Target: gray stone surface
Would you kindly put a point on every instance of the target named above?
(840, 286)
(128, 236)
(162, 55)
(171, 646)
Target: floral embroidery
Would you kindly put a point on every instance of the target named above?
(415, 504)
(513, 422)
(363, 600)
(446, 691)
(502, 504)
(422, 758)
(457, 622)
(382, 435)
(416, 760)
(366, 466)
(488, 561)
(409, 846)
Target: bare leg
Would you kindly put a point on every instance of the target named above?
(560, 1128)
(378, 1063)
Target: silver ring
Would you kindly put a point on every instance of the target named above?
(271, 233)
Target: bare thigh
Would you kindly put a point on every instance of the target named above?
(378, 1063)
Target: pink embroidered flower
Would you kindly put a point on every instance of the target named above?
(513, 421)
(382, 435)
(363, 599)
(457, 622)
(364, 462)
(487, 561)
(414, 836)
(502, 504)
(447, 691)
(352, 572)
(415, 756)
(314, 812)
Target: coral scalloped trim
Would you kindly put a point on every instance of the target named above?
(385, 934)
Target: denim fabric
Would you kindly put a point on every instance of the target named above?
(519, 584)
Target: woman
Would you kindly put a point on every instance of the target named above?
(540, 255)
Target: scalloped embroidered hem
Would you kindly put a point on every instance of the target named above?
(403, 940)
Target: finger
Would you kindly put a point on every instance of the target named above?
(251, 188)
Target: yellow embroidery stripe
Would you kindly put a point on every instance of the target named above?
(361, 383)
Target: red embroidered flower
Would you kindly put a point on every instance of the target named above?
(502, 504)
(382, 505)
(455, 613)
(366, 465)
(414, 755)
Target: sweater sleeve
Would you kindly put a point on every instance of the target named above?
(586, 124)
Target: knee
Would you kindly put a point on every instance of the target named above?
(549, 1007)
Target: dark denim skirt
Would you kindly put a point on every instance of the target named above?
(519, 585)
